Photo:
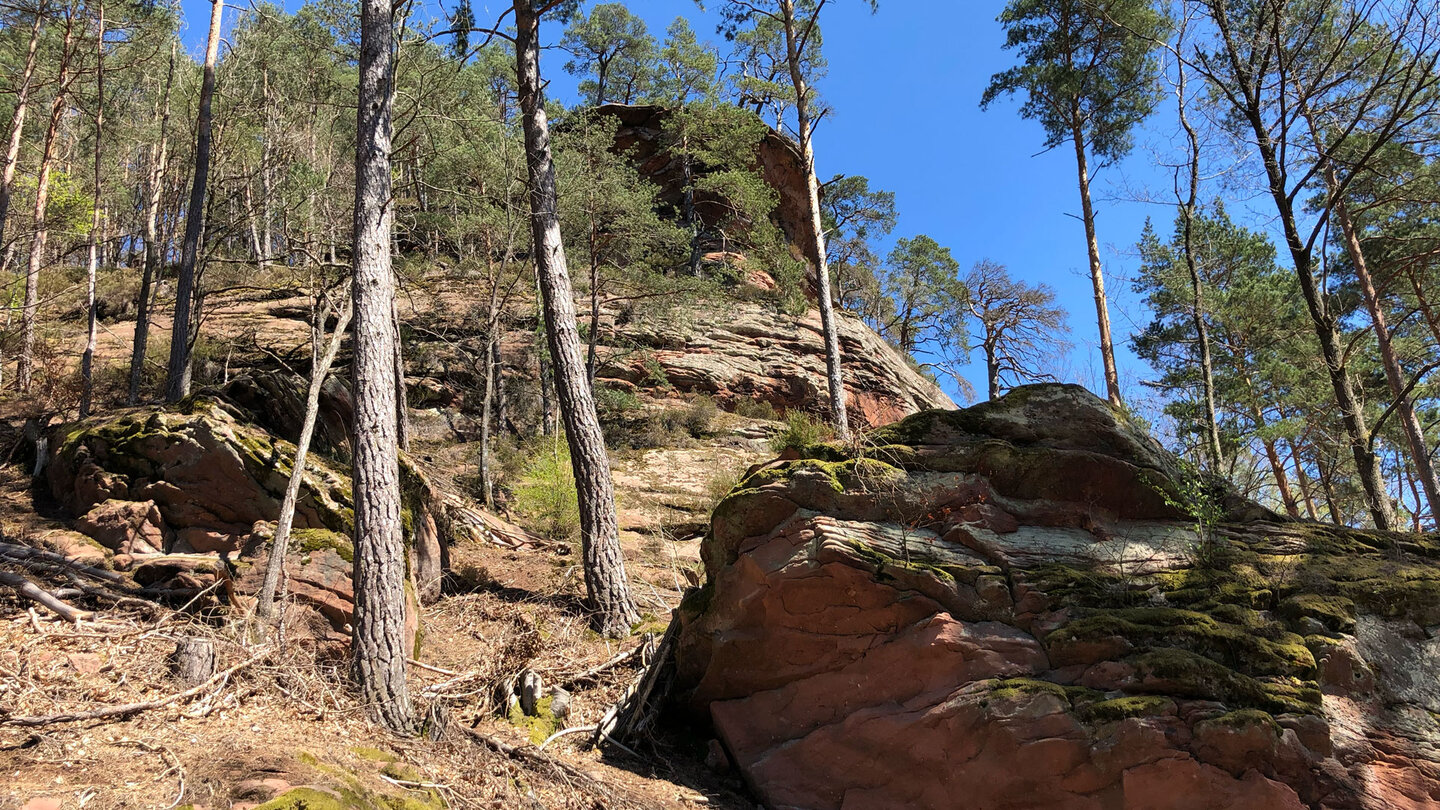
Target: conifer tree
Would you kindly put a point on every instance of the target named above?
(1089, 76)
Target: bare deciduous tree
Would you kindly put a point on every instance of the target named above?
(1019, 327)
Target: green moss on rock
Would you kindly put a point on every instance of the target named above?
(309, 541)
(1337, 613)
(540, 726)
(1117, 709)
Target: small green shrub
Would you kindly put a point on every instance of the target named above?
(545, 490)
(756, 409)
(614, 404)
(801, 430)
(697, 416)
(724, 480)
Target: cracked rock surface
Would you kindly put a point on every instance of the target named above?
(1013, 606)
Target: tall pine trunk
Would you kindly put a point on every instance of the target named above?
(833, 373)
(1097, 273)
(1394, 373)
(154, 251)
(17, 123)
(605, 578)
(177, 380)
(378, 642)
(87, 360)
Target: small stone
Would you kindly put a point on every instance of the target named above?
(85, 663)
(715, 757)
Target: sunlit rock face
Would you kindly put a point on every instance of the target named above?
(1013, 606)
(750, 352)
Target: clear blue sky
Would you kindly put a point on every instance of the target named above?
(905, 86)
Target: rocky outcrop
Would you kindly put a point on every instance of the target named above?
(189, 495)
(748, 351)
(638, 135)
(1014, 604)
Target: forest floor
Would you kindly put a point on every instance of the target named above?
(285, 718)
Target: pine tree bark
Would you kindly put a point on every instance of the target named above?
(378, 642)
(30, 310)
(402, 399)
(155, 190)
(1097, 274)
(177, 380)
(605, 579)
(87, 359)
(17, 121)
(833, 372)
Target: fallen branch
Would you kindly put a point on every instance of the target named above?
(164, 754)
(590, 674)
(535, 758)
(21, 553)
(438, 670)
(561, 733)
(132, 708)
(42, 597)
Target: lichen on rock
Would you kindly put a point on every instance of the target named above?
(1028, 576)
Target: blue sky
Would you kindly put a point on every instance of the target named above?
(905, 86)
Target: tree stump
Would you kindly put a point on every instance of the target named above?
(532, 691)
(193, 662)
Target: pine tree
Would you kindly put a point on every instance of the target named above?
(378, 642)
(605, 579)
(1089, 76)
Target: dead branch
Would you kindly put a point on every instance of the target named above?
(42, 597)
(590, 674)
(539, 761)
(20, 553)
(165, 754)
(132, 708)
(636, 708)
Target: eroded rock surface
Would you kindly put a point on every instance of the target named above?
(748, 351)
(1011, 606)
(187, 496)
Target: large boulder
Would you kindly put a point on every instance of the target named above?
(749, 351)
(1015, 604)
(197, 488)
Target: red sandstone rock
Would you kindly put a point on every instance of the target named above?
(989, 625)
(126, 527)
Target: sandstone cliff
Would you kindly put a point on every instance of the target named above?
(776, 156)
(1015, 604)
(749, 351)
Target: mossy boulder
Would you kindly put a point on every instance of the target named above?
(214, 481)
(1036, 573)
(202, 465)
